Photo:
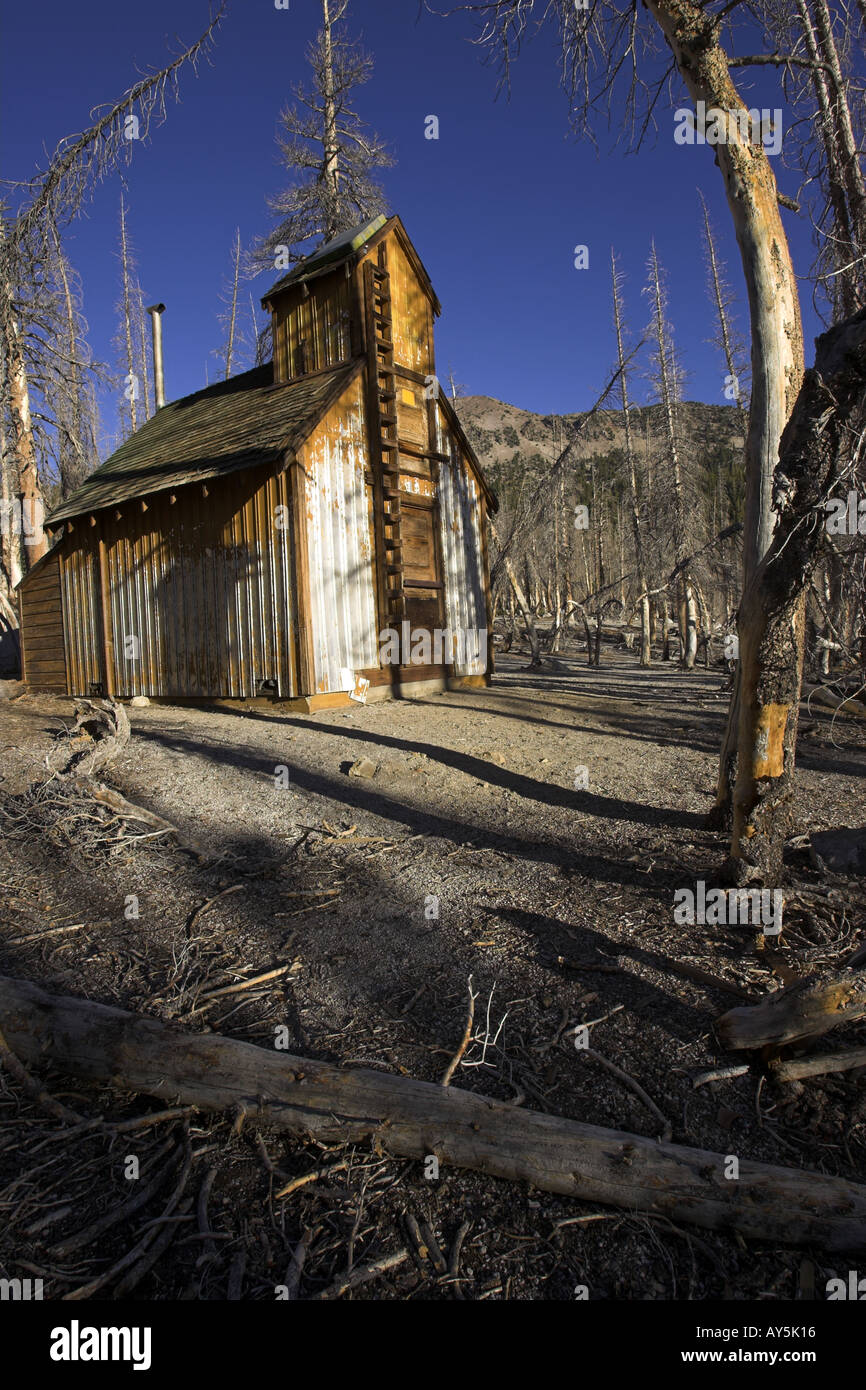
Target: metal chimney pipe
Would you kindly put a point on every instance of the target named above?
(156, 311)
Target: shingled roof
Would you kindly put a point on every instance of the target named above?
(236, 424)
(330, 253)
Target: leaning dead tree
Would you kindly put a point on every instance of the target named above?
(41, 208)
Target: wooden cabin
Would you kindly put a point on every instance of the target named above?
(263, 536)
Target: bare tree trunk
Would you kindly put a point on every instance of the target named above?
(75, 378)
(835, 177)
(830, 413)
(598, 516)
(556, 632)
(130, 359)
(774, 306)
(233, 306)
(522, 604)
(29, 512)
(147, 402)
(849, 155)
(645, 638)
(706, 624)
(331, 142)
(718, 295)
(10, 534)
(667, 386)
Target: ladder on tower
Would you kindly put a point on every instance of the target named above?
(385, 461)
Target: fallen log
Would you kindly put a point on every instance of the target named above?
(806, 1009)
(414, 1119)
(796, 1068)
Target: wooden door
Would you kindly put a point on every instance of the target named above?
(422, 576)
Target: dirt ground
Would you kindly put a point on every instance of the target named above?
(468, 853)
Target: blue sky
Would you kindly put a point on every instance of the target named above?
(496, 206)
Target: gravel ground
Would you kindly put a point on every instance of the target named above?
(465, 851)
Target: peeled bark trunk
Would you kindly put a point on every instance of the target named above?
(721, 816)
(816, 445)
(29, 541)
(774, 306)
(689, 634)
(807, 1009)
(13, 567)
(331, 145)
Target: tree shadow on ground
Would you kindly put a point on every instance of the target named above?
(547, 793)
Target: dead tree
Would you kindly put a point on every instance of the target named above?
(332, 156)
(826, 428)
(522, 602)
(44, 205)
(666, 381)
(229, 319)
(816, 48)
(631, 468)
(606, 39)
(720, 295)
(129, 336)
(75, 414)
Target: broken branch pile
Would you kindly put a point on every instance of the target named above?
(70, 805)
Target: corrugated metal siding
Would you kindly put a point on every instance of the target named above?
(79, 574)
(342, 602)
(42, 645)
(460, 510)
(199, 593)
